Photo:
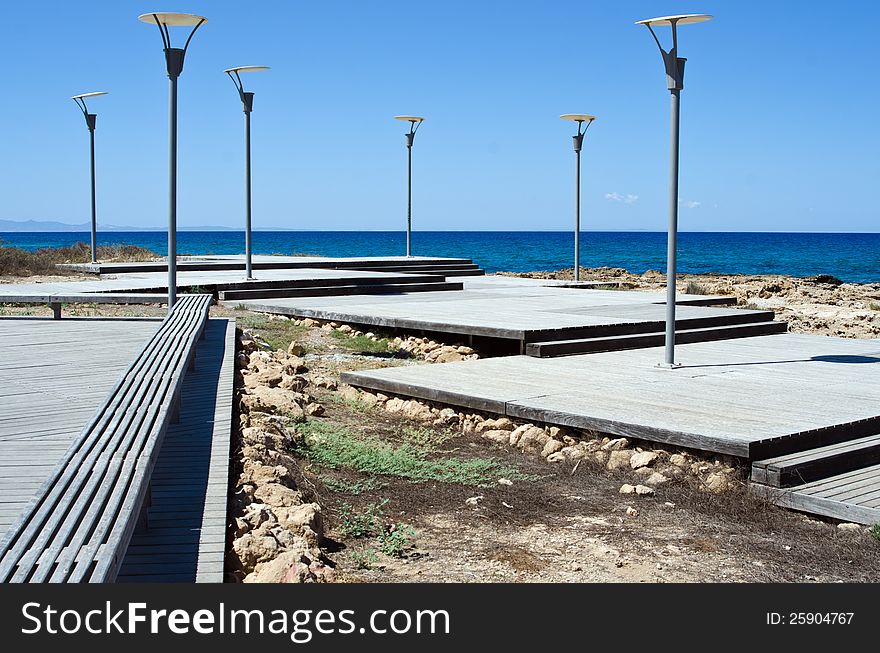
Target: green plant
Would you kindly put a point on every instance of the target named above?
(344, 486)
(355, 524)
(874, 306)
(361, 344)
(875, 531)
(396, 540)
(424, 438)
(336, 447)
(278, 334)
(364, 559)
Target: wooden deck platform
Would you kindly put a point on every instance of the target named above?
(53, 376)
(853, 496)
(515, 309)
(186, 538)
(752, 397)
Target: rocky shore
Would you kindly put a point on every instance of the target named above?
(822, 305)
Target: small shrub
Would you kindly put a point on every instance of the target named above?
(874, 306)
(26, 263)
(696, 288)
(875, 531)
(364, 559)
(395, 541)
(354, 524)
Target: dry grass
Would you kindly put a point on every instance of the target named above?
(15, 261)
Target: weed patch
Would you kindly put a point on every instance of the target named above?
(336, 447)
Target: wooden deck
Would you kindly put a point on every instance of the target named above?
(53, 376)
(853, 496)
(186, 538)
(752, 397)
(523, 310)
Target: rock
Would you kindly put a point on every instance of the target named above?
(656, 479)
(631, 512)
(717, 483)
(533, 439)
(518, 433)
(254, 548)
(642, 459)
(619, 459)
(644, 490)
(295, 365)
(345, 328)
(295, 383)
(849, 527)
(551, 447)
(277, 495)
(271, 400)
(679, 460)
(501, 437)
(626, 488)
(394, 405)
(448, 356)
(305, 520)
(295, 349)
(275, 570)
(614, 445)
(505, 481)
(416, 410)
(325, 382)
(474, 501)
(314, 409)
(500, 424)
(573, 452)
(557, 457)
(257, 474)
(600, 457)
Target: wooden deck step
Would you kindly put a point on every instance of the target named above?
(818, 463)
(329, 291)
(654, 339)
(852, 496)
(445, 270)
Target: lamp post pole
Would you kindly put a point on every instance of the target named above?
(674, 66)
(578, 141)
(174, 59)
(91, 122)
(414, 123)
(247, 104)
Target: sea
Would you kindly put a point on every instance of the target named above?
(851, 257)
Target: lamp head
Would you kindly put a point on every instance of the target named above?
(679, 19)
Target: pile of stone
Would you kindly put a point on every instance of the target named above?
(651, 466)
(277, 532)
(433, 351)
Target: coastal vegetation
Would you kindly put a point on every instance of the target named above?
(15, 261)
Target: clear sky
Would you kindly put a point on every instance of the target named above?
(779, 114)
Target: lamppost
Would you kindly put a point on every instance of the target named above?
(174, 58)
(414, 122)
(91, 120)
(578, 139)
(675, 83)
(247, 103)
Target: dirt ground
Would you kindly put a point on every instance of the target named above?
(565, 522)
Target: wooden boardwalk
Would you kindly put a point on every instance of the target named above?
(752, 397)
(853, 496)
(53, 376)
(186, 538)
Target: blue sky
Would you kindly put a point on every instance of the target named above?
(779, 115)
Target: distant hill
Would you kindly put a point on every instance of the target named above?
(11, 226)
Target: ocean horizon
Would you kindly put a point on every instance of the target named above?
(851, 257)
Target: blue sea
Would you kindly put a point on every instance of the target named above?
(847, 256)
